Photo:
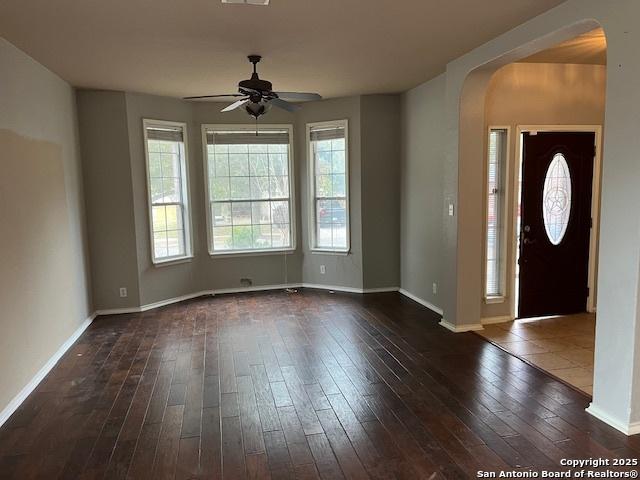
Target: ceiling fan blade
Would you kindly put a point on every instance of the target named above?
(289, 107)
(235, 105)
(213, 96)
(297, 96)
(249, 91)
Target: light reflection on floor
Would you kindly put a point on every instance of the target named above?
(562, 346)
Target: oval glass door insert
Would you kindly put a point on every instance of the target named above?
(556, 199)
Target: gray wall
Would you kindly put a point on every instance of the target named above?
(380, 136)
(539, 94)
(161, 282)
(421, 201)
(226, 271)
(44, 280)
(113, 148)
(104, 140)
(341, 270)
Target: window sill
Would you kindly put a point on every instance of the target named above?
(251, 253)
(494, 299)
(172, 261)
(319, 251)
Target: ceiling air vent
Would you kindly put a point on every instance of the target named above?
(248, 2)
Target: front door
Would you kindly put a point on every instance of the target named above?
(557, 174)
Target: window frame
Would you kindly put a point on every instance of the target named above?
(505, 169)
(292, 193)
(311, 198)
(186, 193)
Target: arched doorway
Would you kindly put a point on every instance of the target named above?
(616, 397)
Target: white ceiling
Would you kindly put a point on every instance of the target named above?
(197, 47)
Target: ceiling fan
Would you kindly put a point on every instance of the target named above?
(257, 96)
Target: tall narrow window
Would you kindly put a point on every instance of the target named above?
(167, 189)
(249, 184)
(497, 156)
(329, 185)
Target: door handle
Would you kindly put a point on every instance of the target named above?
(529, 241)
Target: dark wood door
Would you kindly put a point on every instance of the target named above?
(556, 222)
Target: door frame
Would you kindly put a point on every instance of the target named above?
(595, 205)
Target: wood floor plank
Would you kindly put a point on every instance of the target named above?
(324, 457)
(145, 451)
(257, 467)
(249, 417)
(164, 464)
(340, 444)
(193, 404)
(233, 463)
(301, 402)
(264, 399)
(187, 464)
(211, 444)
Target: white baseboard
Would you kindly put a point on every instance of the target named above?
(336, 288)
(38, 377)
(118, 311)
(449, 326)
(472, 327)
(339, 288)
(181, 298)
(422, 302)
(260, 288)
(497, 319)
(626, 428)
(189, 296)
(223, 291)
(381, 290)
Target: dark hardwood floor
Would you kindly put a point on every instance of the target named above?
(307, 385)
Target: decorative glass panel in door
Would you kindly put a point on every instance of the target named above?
(556, 199)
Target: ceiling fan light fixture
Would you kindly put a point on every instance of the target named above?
(257, 95)
(257, 109)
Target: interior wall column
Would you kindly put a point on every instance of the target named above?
(463, 209)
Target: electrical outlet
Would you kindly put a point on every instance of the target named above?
(451, 209)
(323, 270)
(435, 288)
(123, 292)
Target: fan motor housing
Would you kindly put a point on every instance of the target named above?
(256, 84)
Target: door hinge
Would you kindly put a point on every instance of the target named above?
(588, 292)
(595, 150)
(591, 222)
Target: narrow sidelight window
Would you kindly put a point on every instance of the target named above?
(496, 166)
(167, 185)
(328, 148)
(249, 184)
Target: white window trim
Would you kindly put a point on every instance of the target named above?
(312, 188)
(186, 201)
(292, 192)
(504, 238)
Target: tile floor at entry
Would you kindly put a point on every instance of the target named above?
(562, 346)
